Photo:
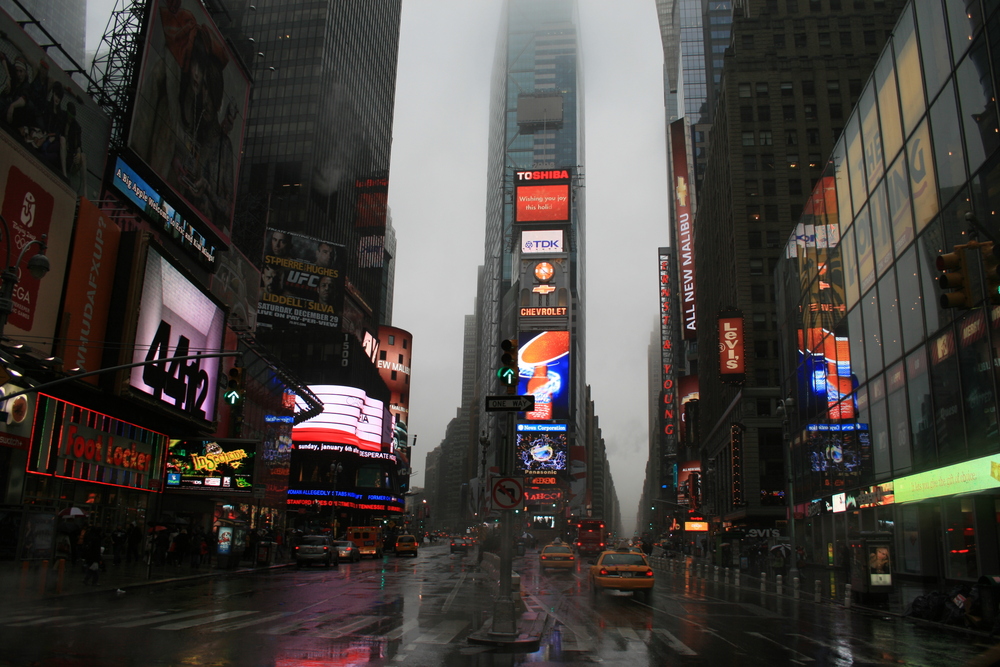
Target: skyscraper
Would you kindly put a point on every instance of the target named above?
(64, 20)
(536, 141)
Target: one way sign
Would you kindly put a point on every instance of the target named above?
(510, 403)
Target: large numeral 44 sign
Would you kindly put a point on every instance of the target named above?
(177, 319)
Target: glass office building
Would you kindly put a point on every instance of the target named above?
(895, 432)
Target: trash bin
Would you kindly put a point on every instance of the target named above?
(989, 597)
(265, 553)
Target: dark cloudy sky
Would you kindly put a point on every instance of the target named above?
(440, 136)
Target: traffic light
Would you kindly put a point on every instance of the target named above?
(234, 387)
(990, 253)
(508, 371)
(955, 277)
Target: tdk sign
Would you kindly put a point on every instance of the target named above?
(549, 241)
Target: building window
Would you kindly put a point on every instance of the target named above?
(746, 114)
(392, 340)
(771, 212)
(753, 213)
(787, 89)
(392, 374)
(770, 187)
(788, 112)
(748, 139)
(773, 238)
(746, 90)
(758, 294)
(756, 267)
(809, 88)
(749, 162)
(761, 349)
(792, 6)
(794, 186)
(747, 40)
(812, 136)
(800, 40)
(845, 39)
(751, 186)
(809, 111)
(381, 355)
(871, 38)
(836, 111)
(835, 6)
(762, 89)
(791, 138)
(404, 347)
(764, 113)
(762, 377)
(795, 211)
(815, 6)
(753, 240)
(815, 161)
(792, 160)
(779, 40)
(765, 138)
(767, 161)
(760, 321)
(824, 38)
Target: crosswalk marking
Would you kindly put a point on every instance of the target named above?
(292, 627)
(112, 619)
(574, 638)
(160, 619)
(51, 620)
(796, 656)
(629, 634)
(247, 622)
(674, 643)
(402, 630)
(443, 633)
(190, 623)
(350, 628)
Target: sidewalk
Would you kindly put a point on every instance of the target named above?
(23, 582)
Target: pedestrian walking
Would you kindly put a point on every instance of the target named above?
(133, 537)
(92, 555)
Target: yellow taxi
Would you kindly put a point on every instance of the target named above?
(556, 555)
(406, 544)
(622, 570)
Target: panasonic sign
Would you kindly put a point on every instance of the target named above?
(548, 241)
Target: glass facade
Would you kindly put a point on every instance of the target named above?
(858, 290)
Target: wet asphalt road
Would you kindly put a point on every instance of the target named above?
(419, 612)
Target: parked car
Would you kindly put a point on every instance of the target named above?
(406, 544)
(347, 551)
(557, 555)
(460, 545)
(623, 571)
(315, 549)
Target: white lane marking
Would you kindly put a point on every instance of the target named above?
(402, 630)
(292, 627)
(797, 657)
(675, 643)
(115, 618)
(190, 623)
(715, 633)
(349, 628)
(247, 622)
(451, 596)
(443, 633)
(629, 634)
(56, 620)
(160, 619)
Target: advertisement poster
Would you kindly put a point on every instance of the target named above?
(543, 360)
(189, 115)
(177, 319)
(302, 283)
(541, 447)
(542, 196)
(350, 417)
(48, 115)
(211, 465)
(225, 540)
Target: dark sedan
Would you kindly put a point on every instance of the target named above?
(460, 545)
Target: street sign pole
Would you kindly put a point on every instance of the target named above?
(504, 623)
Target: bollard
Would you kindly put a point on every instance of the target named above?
(795, 588)
(763, 582)
(778, 583)
(61, 569)
(725, 577)
(736, 579)
(24, 577)
(41, 580)
(716, 578)
(817, 590)
(847, 596)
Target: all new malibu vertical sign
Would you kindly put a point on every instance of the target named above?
(732, 351)
(684, 241)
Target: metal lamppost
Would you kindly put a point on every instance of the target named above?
(38, 265)
(335, 470)
(785, 407)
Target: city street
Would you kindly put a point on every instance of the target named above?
(419, 612)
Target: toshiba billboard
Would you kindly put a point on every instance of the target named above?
(542, 196)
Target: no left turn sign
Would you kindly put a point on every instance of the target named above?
(507, 493)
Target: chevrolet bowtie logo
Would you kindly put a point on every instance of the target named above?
(543, 289)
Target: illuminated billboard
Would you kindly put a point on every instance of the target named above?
(732, 347)
(541, 447)
(372, 202)
(543, 362)
(211, 465)
(668, 375)
(826, 384)
(366, 480)
(349, 417)
(393, 363)
(544, 298)
(48, 115)
(542, 196)
(190, 107)
(684, 234)
(302, 282)
(176, 318)
(544, 241)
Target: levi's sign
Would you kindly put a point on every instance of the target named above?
(510, 403)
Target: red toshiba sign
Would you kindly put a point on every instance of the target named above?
(732, 354)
